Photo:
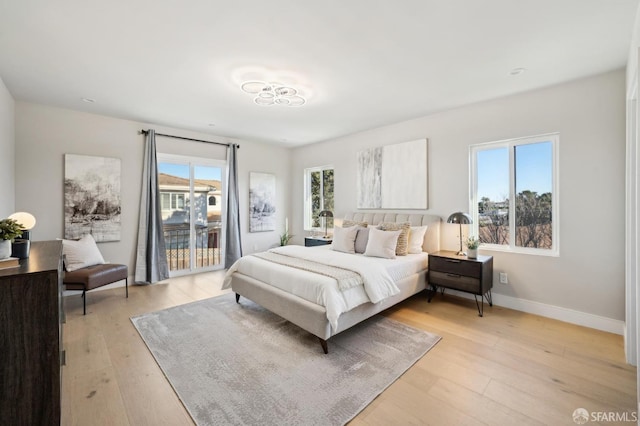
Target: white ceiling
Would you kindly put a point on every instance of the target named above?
(362, 63)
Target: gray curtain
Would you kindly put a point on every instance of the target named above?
(151, 260)
(233, 246)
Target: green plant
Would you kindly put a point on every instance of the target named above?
(10, 229)
(284, 238)
(473, 243)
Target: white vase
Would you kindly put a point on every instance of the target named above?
(5, 249)
(472, 253)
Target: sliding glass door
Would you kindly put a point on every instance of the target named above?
(191, 198)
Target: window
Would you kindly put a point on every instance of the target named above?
(514, 194)
(318, 196)
(172, 201)
(191, 222)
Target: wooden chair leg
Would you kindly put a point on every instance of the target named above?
(126, 285)
(84, 302)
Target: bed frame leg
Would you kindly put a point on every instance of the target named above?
(323, 343)
(237, 298)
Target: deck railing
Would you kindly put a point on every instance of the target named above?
(207, 246)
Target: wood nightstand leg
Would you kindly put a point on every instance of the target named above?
(489, 298)
(479, 305)
(430, 292)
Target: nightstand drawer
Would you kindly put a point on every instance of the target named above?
(455, 281)
(455, 266)
(311, 242)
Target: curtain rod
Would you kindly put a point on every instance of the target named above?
(144, 132)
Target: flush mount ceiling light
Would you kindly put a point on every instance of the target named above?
(273, 93)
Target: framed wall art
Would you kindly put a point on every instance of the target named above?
(92, 203)
(262, 202)
(393, 176)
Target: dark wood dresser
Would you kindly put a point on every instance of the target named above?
(31, 316)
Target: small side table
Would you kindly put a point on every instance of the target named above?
(475, 276)
(316, 241)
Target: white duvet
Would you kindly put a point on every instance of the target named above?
(378, 276)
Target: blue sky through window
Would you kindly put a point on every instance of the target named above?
(182, 170)
(534, 164)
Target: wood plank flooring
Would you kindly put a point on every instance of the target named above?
(503, 369)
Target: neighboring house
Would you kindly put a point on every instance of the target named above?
(174, 198)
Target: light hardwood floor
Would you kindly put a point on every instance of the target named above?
(506, 368)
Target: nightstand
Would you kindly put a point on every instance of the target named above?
(316, 241)
(475, 276)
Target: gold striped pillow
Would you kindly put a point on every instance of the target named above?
(402, 248)
(348, 223)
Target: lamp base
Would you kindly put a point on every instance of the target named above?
(20, 248)
(461, 253)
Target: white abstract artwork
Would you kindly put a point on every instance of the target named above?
(393, 176)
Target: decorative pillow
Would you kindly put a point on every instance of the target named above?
(416, 238)
(344, 239)
(382, 243)
(403, 241)
(82, 253)
(350, 223)
(361, 239)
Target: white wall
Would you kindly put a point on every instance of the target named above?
(588, 276)
(7, 152)
(44, 134)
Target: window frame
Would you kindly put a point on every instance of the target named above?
(307, 194)
(510, 144)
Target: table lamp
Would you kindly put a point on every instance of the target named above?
(20, 246)
(326, 214)
(460, 218)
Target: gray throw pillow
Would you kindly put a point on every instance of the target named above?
(361, 239)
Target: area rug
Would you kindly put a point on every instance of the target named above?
(241, 364)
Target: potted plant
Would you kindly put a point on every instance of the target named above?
(284, 238)
(472, 244)
(9, 230)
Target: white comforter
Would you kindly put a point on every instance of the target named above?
(320, 289)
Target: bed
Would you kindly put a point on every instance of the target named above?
(277, 287)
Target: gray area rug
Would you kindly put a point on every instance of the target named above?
(241, 364)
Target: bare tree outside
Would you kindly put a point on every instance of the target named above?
(533, 217)
(533, 220)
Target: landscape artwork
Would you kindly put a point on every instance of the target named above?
(393, 176)
(262, 202)
(92, 203)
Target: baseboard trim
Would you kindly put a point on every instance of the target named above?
(555, 312)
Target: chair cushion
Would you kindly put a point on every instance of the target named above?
(95, 276)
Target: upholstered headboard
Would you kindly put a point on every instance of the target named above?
(431, 241)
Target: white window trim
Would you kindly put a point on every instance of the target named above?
(555, 196)
(307, 195)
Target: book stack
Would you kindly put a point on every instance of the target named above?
(9, 262)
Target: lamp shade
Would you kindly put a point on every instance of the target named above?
(27, 220)
(459, 217)
(325, 213)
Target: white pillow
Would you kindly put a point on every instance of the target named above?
(344, 239)
(82, 253)
(382, 243)
(416, 238)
